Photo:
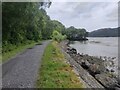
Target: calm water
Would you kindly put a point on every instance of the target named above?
(105, 46)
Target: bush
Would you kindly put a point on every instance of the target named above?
(58, 36)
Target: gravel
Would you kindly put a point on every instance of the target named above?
(21, 71)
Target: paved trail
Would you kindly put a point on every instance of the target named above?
(21, 71)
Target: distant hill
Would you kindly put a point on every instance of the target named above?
(106, 32)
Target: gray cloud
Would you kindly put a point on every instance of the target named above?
(89, 15)
(112, 15)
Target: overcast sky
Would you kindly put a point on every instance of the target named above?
(88, 15)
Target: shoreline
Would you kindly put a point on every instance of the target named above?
(96, 67)
(110, 61)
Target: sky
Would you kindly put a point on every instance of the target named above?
(88, 15)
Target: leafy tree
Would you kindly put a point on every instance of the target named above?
(75, 34)
(57, 36)
(58, 26)
(22, 22)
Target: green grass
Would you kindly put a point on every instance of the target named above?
(6, 56)
(0, 58)
(0, 54)
(55, 72)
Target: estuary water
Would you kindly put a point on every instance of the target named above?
(99, 47)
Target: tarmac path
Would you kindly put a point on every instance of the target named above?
(22, 70)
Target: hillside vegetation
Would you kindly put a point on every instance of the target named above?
(26, 23)
(107, 32)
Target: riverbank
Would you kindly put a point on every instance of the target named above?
(78, 39)
(96, 67)
(55, 72)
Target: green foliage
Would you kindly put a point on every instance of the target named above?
(28, 21)
(58, 26)
(73, 33)
(58, 36)
(49, 26)
(11, 51)
(22, 22)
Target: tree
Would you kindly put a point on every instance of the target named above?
(22, 22)
(75, 34)
(57, 36)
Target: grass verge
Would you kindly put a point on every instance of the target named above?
(55, 72)
(6, 56)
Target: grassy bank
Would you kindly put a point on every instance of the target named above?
(6, 56)
(0, 54)
(55, 72)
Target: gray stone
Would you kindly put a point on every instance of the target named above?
(90, 81)
(106, 80)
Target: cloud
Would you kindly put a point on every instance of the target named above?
(112, 14)
(89, 15)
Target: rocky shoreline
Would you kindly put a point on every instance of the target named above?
(96, 67)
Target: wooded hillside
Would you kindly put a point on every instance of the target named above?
(106, 32)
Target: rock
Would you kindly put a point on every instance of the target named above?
(112, 70)
(90, 81)
(74, 51)
(92, 64)
(94, 69)
(84, 65)
(107, 70)
(87, 63)
(118, 77)
(117, 88)
(68, 48)
(113, 57)
(95, 66)
(71, 50)
(106, 80)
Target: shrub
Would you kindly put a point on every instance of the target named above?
(57, 36)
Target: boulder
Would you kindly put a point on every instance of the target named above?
(118, 80)
(71, 50)
(85, 64)
(106, 80)
(94, 69)
(117, 88)
(74, 51)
